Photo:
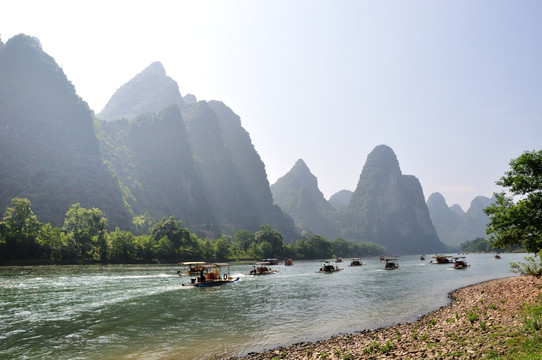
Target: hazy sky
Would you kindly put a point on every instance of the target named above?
(453, 87)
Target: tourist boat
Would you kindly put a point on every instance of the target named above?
(261, 269)
(391, 264)
(422, 258)
(339, 259)
(460, 263)
(442, 259)
(288, 262)
(213, 275)
(497, 257)
(193, 267)
(329, 267)
(356, 262)
(272, 261)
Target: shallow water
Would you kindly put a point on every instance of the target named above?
(144, 312)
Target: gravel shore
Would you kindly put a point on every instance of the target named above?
(468, 328)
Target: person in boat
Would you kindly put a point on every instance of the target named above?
(201, 276)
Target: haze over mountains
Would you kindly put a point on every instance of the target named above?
(152, 151)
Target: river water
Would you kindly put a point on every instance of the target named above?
(144, 312)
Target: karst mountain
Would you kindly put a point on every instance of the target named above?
(154, 153)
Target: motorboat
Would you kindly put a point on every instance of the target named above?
(422, 258)
(288, 262)
(442, 259)
(460, 263)
(213, 275)
(339, 259)
(262, 269)
(391, 264)
(497, 257)
(329, 267)
(356, 262)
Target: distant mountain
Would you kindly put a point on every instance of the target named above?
(257, 201)
(388, 208)
(194, 160)
(457, 210)
(444, 218)
(49, 152)
(455, 226)
(148, 92)
(152, 157)
(340, 199)
(298, 195)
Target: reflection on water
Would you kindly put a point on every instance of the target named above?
(144, 312)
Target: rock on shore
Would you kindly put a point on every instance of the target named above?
(466, 329)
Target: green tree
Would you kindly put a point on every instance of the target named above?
(142, 224)
(342, 247)
(181, 240)
(243, 239)
(145, 248)
(222, 248)
(122, 246)
(273, 237)
(87, 228)
(53, 243)
(165, 248)
(20, 230)
(477, 245)
(518, 222)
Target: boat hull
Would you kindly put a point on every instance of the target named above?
(213, 283)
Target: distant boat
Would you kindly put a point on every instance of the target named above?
(213, 275)
(262, 269)
(356, 262)
(422, 258)
(497, 257)
(460, 263)
(271, 261)
(288, 262)
(339, 259)
(391, 264)
(329, 267)
(442, 259)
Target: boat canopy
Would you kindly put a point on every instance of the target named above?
(188, 263)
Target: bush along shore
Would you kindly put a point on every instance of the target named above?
(497, 319)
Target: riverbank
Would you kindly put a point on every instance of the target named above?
(477, 323)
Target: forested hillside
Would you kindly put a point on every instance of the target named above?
(152, 157)
(49, 152)
(201, 166)
(297, 193)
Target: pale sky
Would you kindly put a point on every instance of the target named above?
(453, 87)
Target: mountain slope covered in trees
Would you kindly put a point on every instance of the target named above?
(220, 183)
(49, 152)
(389, 208)
(297, 193)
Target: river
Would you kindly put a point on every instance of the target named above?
(144, 312)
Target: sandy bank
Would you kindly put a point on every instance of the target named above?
(465, 329)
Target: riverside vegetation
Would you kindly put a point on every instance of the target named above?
(84, 239)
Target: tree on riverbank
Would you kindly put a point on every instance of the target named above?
(516, 218)
(518, 222)
(84, 239)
